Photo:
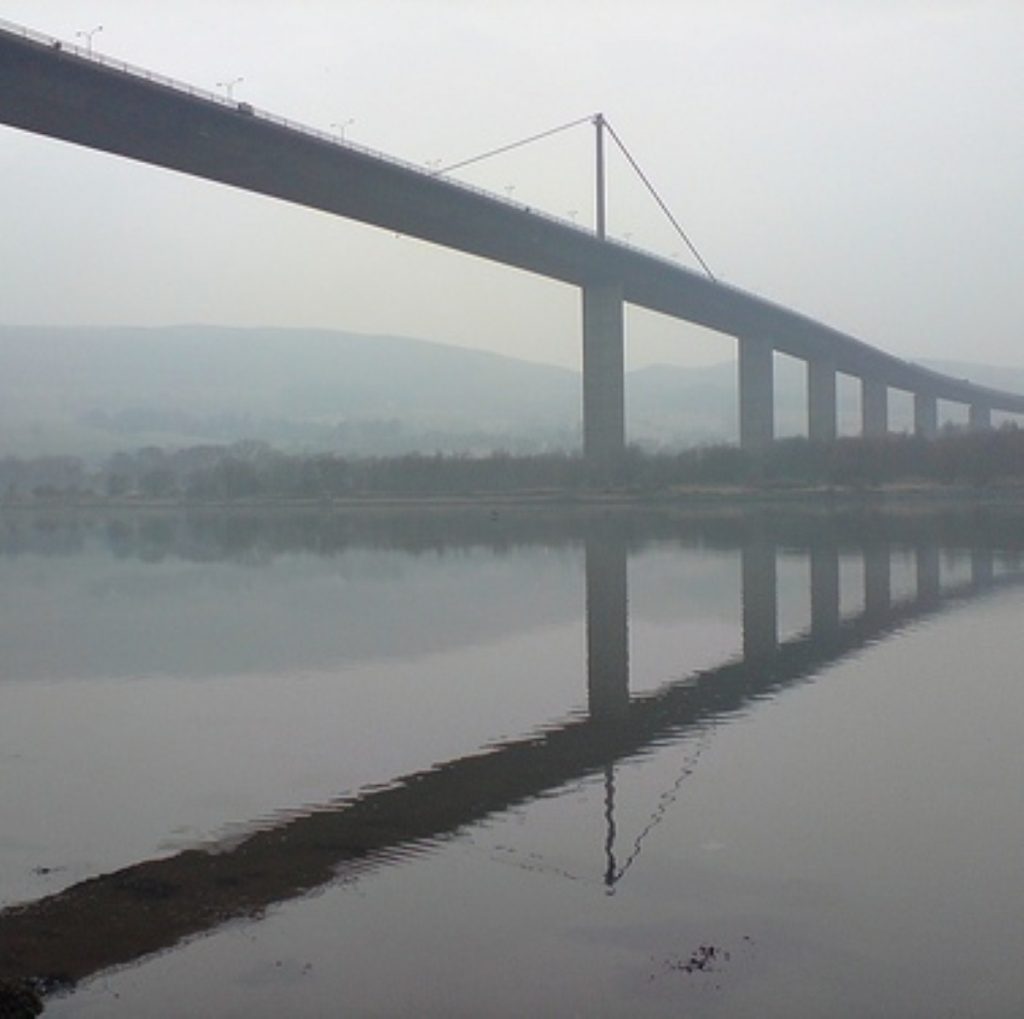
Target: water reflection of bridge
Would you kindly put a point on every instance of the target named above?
(119, 917)
(607, 603)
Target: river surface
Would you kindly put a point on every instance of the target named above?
(511, 762)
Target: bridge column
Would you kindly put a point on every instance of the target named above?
(874, 408)
(979, 417)
(877, 573)
(756, 393)
(929, 574)
(824, 589)
(760, 600)
(926, 415)
(607, 625)
(821, 401)
(604, 428)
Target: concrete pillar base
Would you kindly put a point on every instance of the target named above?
(756, 393)
(979, 417)
(926, 415)
(821, 401)
(874, 408)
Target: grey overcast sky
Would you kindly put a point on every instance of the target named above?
(859, 160)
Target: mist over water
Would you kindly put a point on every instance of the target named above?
(500, 762)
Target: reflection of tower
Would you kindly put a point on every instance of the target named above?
(611, 866)
(760, 602)
(607, 656)
(607, 625)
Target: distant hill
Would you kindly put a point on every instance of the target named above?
(997, 376)
(93, 391)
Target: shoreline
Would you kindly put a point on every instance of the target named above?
(894, 496)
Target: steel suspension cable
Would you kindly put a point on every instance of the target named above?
(513, 145)
(664, 208)
(622, 147)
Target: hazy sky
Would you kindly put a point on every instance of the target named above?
(859, 160)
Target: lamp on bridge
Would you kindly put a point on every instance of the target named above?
(87, 35)
(229, 87)
(340, 126)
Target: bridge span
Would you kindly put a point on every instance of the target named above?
(52, 88)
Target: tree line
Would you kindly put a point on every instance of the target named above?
(254, 470)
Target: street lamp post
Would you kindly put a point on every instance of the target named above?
(87, 35)
(229, 87)
(340, 126)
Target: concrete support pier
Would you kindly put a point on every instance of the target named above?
(874, 408)
(604, 406)
(821, 401)
(979, 417)
(877, 586)
(756, 393)
(607, 626)
(824, 589)
(760, 600)
(926, 415)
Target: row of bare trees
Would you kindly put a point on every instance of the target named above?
(253, 470)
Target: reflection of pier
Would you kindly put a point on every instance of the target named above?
(607, 603)
(607, 626)
(117, 918)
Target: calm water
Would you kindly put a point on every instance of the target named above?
(510, 763)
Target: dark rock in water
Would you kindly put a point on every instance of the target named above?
(18, 1000)
(704, 959)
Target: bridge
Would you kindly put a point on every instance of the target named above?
(117, 918)
(76, 95)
